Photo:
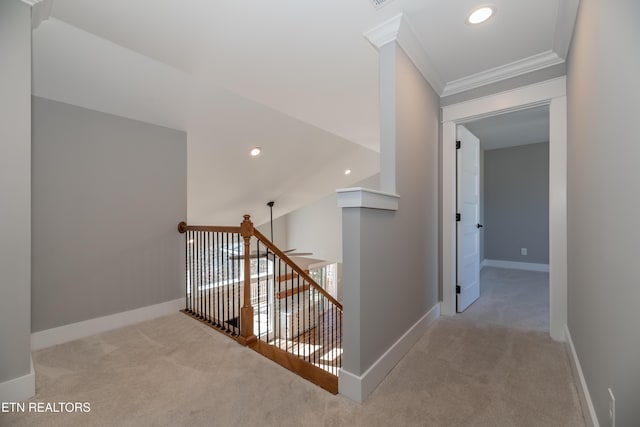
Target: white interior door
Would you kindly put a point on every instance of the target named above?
(468, 204)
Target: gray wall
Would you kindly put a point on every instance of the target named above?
(391, 257)
(603, 209)
(108, 193)
(516, 203)
(15, 191)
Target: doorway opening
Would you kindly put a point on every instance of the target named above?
(550, 93)
(503, 234)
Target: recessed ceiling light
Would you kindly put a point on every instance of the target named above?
(347, 172)
(255, 151)
(481, 14)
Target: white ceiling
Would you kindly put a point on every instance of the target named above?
(471, 49)
(522, 127)
(304, 65)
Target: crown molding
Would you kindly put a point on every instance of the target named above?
(565, 22)
(409, 42)
(384, 33)
(398, 29)
(513, 69)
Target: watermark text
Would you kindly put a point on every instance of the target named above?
(45, 407)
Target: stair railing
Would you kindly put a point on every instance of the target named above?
(263, 299)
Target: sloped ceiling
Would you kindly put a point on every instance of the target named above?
(297, 78)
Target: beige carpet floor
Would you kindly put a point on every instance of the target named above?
(513, 298)
(174, 371)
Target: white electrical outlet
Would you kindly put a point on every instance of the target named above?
(523, 251)
(612, 409)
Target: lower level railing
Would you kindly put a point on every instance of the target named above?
(240, 283)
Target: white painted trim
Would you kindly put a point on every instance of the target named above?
(384, 33)
(357, 388)
(398, 29)
(74, 331)
(588, 409)
(18, 389)
(521, 98)
(515, 265)
(447, 220)
(503, 72)
(359, 197)
(482, 264)
(553, 93)
(558, 270)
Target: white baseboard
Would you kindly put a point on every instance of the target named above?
(583, 391)
(482, 264)
(18, 389)
(529, 266)
(357, 388)
(74, 331)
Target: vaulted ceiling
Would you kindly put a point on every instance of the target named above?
(298, 78)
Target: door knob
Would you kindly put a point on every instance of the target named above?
(479, 225)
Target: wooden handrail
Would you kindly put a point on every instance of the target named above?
(321, 323)
(295, 267)
(183, 228)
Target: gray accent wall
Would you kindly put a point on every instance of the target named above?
(108, 193)
(603, 208)
(15, 192)
(516, 203)
(391, 257)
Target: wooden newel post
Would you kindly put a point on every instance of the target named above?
(246, 313)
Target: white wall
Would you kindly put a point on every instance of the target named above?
(15, 197)
(603, 204)
(280, 231)
(317, 227)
